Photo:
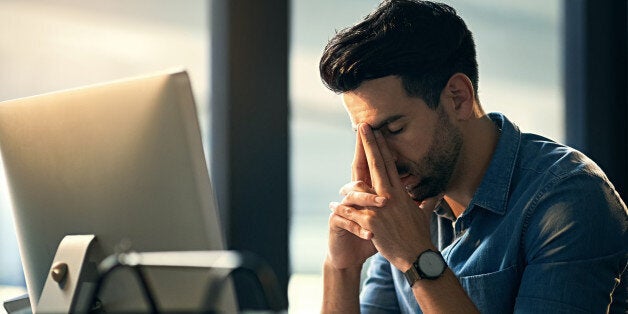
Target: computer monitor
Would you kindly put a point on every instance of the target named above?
(121, 160)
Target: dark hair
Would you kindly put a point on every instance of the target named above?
(423, 43)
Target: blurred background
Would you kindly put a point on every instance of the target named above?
(51, 45)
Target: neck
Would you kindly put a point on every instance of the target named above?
(480, 140)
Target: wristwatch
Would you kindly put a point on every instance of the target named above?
(428, 265)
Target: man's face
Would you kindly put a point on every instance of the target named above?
(424, 142)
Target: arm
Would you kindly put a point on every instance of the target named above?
(349, 244)
(341, 289)
(400, 228)
(443, 295)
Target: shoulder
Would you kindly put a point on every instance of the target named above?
(552, 167)
(539, 155)
(569, 201)
(573, 204)
(574, 229)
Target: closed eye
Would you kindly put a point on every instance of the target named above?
(394, 132)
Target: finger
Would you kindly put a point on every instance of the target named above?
(360, 168)
(337, 222)
(363, 199)
(431, 203)
(389, 160)
(360, 186)
(377, 167)
(361, 216)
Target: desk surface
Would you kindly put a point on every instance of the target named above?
(304, 292)
(8, 292)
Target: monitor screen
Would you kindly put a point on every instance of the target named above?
(121, 160)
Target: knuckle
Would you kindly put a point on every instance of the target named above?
(347, 210)
(359, 186)
(348, 225)
(368, 222)
(363, 186)
(385, 194)
(372, 197)
(350, 195)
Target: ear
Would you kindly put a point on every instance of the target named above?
(460, 94)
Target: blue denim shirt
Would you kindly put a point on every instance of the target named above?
(544, 233)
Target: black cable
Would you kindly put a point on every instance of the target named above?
(261, 272)
(107, 267)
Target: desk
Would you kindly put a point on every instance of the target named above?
(305, 293)
(8, 292)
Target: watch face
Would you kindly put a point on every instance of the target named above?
(431, 264)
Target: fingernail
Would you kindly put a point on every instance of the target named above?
(380, 200)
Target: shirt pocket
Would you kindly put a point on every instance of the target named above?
(493, 292)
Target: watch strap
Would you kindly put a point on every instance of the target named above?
(412, 275)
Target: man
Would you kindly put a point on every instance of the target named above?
(460, 210)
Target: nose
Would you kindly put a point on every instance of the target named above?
(392, 150)
(402, 168)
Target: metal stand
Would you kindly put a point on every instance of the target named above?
(60, 290)
(227, 261)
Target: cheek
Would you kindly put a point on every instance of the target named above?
(408, 149)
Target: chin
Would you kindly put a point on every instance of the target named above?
(423, 192)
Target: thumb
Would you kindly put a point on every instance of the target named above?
(430, 204)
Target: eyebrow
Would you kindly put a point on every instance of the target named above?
(381, 124)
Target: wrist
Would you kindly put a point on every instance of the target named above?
(407, 260)
(330, 265)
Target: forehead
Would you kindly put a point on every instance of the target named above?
(378, 100)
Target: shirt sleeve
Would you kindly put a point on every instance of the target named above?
(378, 292)
(575, 248)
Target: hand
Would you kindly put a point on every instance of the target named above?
(349, 244)
(400, 227)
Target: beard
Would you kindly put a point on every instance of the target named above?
(437, 167)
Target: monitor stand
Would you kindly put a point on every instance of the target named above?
(60, 289)
(62, 292)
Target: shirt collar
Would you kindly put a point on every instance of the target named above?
(493, 192)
